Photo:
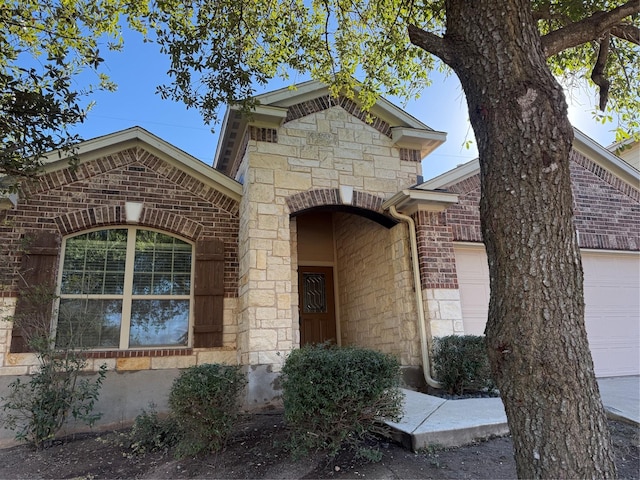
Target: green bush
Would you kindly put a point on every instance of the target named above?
(335, 397)
(461, 363)
(151, 433)
(204, 403)
(36, 408)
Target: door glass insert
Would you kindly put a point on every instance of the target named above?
(314, 293)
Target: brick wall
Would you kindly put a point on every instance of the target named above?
(606, 209)
(435, 250)
(464, 217)
(67, 202)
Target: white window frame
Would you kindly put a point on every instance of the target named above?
(127, 295)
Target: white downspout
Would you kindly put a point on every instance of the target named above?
(424, 345)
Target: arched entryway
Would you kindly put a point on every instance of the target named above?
(354, 280)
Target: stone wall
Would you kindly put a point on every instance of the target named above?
(375, 288)
(328, 150)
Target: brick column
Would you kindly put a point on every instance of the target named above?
(438, 274)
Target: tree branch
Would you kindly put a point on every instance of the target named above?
(430, 43)
(598, 73)
(627, 32)
(590, 28)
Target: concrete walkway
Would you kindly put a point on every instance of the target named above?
(430, 420)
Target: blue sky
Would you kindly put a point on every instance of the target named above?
(139, 68)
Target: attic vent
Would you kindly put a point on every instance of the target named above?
(410, 155)
(263, 134)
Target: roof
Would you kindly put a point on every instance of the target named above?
(406, 130)
(581, 143)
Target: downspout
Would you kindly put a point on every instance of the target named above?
(424, 345)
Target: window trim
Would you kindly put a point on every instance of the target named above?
(127, 296)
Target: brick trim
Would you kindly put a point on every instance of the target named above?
(331, 196)
(157, 352)
(325, 102)
(80, 220)
(124, 160)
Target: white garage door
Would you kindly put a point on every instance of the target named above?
(612, 304)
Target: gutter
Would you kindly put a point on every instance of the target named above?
(412, 200)
(424, 345)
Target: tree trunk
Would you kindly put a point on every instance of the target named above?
(536, 334)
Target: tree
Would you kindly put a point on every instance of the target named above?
(44, 47)
(506, 55)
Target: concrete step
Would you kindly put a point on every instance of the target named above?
(434, 421)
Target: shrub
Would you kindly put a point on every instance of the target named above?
(37, 408)
(337, 396)
(204, 402)
(461, 363)
(151, 433)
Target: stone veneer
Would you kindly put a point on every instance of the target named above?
(324, 150)
(375, 288)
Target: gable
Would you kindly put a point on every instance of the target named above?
(606, 208)
(277, 109)
(98, 192)
(113, 145)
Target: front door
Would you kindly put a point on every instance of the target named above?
(317, 310)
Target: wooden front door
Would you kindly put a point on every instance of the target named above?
(317, 309)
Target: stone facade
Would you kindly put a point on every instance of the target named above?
(328, 158)
(375, 285)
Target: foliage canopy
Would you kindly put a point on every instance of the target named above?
(221, 50)
(44, 47)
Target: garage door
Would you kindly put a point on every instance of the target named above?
(612, 304)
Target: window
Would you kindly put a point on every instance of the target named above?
(124, 288)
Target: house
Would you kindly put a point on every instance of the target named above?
(312, 225)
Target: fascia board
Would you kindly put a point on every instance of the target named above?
(582, 143)
(452, 177)
(387, 111)
(412, 200)
(606, 159)
(287, 96)
(418, 139)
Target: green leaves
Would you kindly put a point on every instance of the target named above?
(335, 396)
(221, 51)
(44, 47)
(204, 403)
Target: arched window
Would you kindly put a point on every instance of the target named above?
(124, 288)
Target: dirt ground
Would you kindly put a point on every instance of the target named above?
(258, 451)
